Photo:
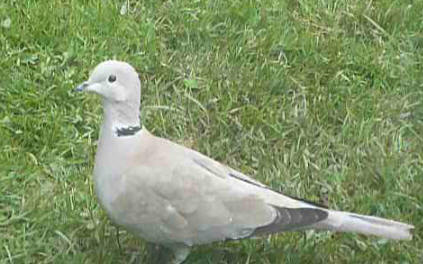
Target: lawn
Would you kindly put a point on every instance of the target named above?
(319, 99)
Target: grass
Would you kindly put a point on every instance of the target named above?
(320, 99)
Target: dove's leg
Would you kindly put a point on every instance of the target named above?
(169, 254)
(157, 254)
(180, 253)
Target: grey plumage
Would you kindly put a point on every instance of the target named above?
(177, 197)
(289, 219)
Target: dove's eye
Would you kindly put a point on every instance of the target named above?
(112, 78)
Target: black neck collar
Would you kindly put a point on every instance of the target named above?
(127, 131)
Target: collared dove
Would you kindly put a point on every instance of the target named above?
(177, 197)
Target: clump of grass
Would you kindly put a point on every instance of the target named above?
(319, 100)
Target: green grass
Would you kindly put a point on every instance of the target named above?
(320, 99)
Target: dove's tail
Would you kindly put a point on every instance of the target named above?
(368, 225)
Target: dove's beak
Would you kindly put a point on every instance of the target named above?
(81, 87)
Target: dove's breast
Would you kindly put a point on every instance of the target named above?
(111, 161)
(127, 198)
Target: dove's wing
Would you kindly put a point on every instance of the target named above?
(193, 199)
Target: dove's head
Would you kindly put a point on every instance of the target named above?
(115, 81)
(118, 83)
